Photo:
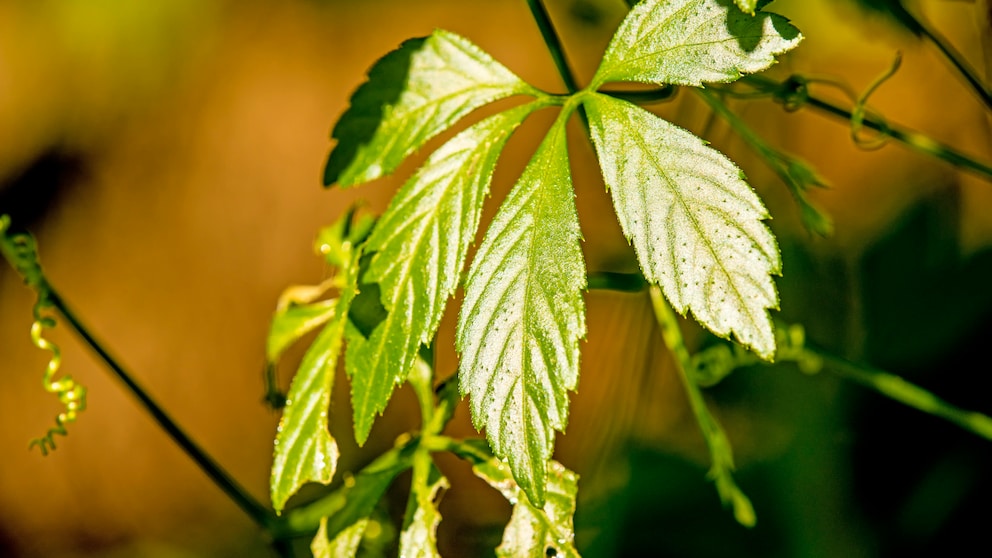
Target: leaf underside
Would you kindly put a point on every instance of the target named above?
(691, 42)
(523, 316)
(420, 246)
(536, 532)
(413, 94)
(695, 224)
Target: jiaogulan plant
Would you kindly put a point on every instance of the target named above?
(695, 225)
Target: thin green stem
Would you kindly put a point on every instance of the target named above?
(421, 378)
(255, 510)
(718, 361)
(908, 394)
(792, 93)
(721, 470)
(797, 175)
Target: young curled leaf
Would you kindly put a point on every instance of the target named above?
(343, 545)
(535, 532)
(304, 448)
(695, 224)
(691, 42)
(419, 536)
(413, 94)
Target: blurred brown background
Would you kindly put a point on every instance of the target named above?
(168, 157)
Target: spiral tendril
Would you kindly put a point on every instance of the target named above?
(20, 249)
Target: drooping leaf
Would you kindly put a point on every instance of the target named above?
(413, 94)
(419, 537)
(344, 545)
(293, 322)
(420, 245)
(536, 532)
(523, 316)
(695, 224)
(690, 42)
(305, 450)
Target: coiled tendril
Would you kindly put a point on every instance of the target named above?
(21, 251)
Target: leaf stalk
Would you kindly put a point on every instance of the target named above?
(721, 470)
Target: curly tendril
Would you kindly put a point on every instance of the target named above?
(20, 249)
(70, 394)
(860, 110)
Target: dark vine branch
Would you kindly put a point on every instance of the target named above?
(957, 60)
(27, 265)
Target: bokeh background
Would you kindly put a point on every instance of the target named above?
(168, 157)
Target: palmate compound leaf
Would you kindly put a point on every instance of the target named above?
(536, 532)
(690, 42)
(523, 315)
(695, 224)
(413, 94)
(420, 244)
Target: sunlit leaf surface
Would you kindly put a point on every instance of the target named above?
(523, 316)
(691, 42)
(695, 224)
(420, 245)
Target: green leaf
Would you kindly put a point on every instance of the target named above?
(420, 245)
(689, 42)
(536, 532)
(305, 450)
(413, 94)
(419, 537)
(293, 322)
(344, 545)
(695, 224)
(523, 316)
